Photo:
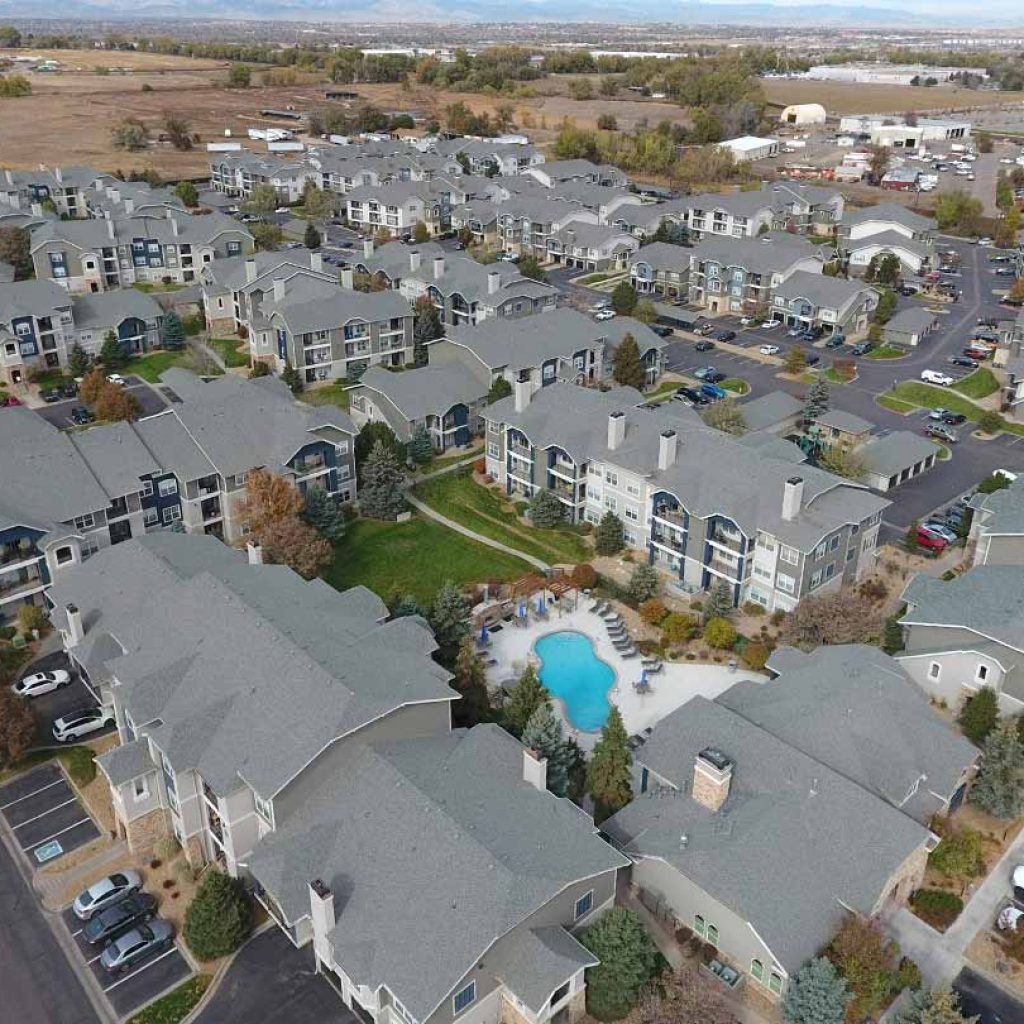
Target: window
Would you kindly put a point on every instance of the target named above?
(830, 570)
(584, 905)
(172, 515)
(464, 998)
(982, 673)
(833, 544)
(699, 927)
(775, 982)
(168, 487)
(788, 554)
(819, 551)
(633, 489)
(610, 503)
(85, 522)
(632, 513)
(150, 517)
(147, 488)
(493, 450)
(65, 555)
(612, 478)
(559, 994)
(816, 579)
(264, 808)
(785, 583)
(757, 970)
(140, 788)
(712, 935)
(934, 670)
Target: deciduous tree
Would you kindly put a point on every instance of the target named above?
(295, 543)
(843, 461)
(686, 996)
(269, 499)
(17, 727)
(239, 76)
(317, 203)
(796, 361)
(15, 249)
(114, 404)
(938, 1006)
(726, 416)
(843, 617)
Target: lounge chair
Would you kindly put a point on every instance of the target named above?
(650, 669)
(609, 613)
(630, 653)
(622, 637)
(623, 645)
(599, 607)
(616, 621)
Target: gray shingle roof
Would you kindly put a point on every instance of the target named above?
(912, 320)
(116, 456)
(108, 309)
(1005, 508)
(314, 305)
(535, 962)
(888, 239)
(765, 255)
(662, 255)
(126, 762)
(888, 211)
(896, 451)
(847, 422)
(770, 410)
(819, 289)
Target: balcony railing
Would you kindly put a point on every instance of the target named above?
(668, 539)
(726, 568)
(522, 451)
(669, 515)
(12, 553)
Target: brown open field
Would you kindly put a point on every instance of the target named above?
(854, 98)
(87, 60)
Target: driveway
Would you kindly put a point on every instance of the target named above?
(272, 982)
(50, 706)
(59, 413)
(988, 1002)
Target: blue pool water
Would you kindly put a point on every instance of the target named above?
(572, 671)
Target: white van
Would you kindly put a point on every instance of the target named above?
(934, 377)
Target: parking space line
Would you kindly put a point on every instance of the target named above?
(135, 974)
(75, 935)
(94, 959)
(73, 799)
(55, 834)
(35, 792)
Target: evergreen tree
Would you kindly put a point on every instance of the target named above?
(624, 298)
(610, 768)
(499, 389)
(260, 369)
(111, 353)
(817, 400)
(627, 369)
(421, 448)
(940, 1006)
(609, 537)
(471, 682)
(449, 618)
(324, 514)
(369, 435)
(426, 328)
(523, 700)
(577, 771)
(380, 495)
(311, 239)
(545, 510)
(817, 994)
(78, 361)
(172, 332)
(187, 193)
(719, 603)
(643, 583)
(292, 378)
(219, 918)
(628, 958)
(405, 606)
(999, 788)
(979, 715)
(543, 733)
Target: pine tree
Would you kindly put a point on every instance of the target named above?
(426, 328)
(543, 733)
(817, 400)
(523, 700)
(219, 918)
(628, 958)
(643, 583)
(719, 603)
(471, 683)
(627, 368)
(311, 238)
(499, 389)
(999, 788)
(324, 514)
(624, 298)
(172, 332)
(979, 715)
(405, 606)
(421, 448)
(292, 378)
(449, 618)
(545, 510)
(940, 1006)
(380, 495)
(111, 353)
(610, 768)
(817, 994)
(609, 537)
(78, 361)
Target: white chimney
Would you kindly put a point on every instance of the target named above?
(255, 553)
(792, 498)
(522, 391)
(279, 287)
(76, 630)
(323, 919)
(438, 267)
(414, 261)
(174, 226)
(58, 174)
(367, 246)
(37, 209)
(616, 429)
(535, 769)
(250, 271)
(129, 206)
(316, 262)
(347, 278)
(9, 175)
(110, 230)
(493, 281)
(667, 449)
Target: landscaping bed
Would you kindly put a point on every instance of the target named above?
(886, 352)
(177, 1004)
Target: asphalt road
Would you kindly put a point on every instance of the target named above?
(990, 1003)
(37, 984)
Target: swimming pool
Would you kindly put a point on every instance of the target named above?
(572, 671)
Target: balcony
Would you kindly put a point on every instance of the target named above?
(729, 569)
(303, 467)
(520, 451)
(23, 582)
(11, 554)
(210, 510)
(668, 539)
(674, 517)
(728, 539)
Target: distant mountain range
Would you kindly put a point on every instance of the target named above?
(999, 12)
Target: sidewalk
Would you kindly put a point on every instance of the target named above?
(51, 885)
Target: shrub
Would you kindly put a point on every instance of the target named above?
(753, 609)
(30, 617)
(480, 466)
(959, 854)
(643, 583)
(584, 576)
(755, 656)
(936, 906)
(166, 848)
(676, 628)
(653, 611)
(720, 633)
(17, 727)
(990, 422)
(219, 918)
(874, 590)
(979, 715)
(80, 765)
(628, 958)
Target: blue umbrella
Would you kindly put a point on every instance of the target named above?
(483, 633)
(522, 610)
(644, 684)
(540, 604)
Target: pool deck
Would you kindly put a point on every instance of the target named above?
(673, 686)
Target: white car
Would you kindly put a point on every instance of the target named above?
(1006, 159)
(1008, 918)
(116, 378)
(282, 209)
(746, 321)
(81, 722)
(934, 377)
(985, 241)
(605, 314)
(105, 893)
(39, 683)
(769, 324)
(769, 350)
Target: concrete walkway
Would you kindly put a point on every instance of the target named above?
(51, 885)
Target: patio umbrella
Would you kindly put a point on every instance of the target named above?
(522, 609)
(483, 633)
(644, 684)
(540, 603)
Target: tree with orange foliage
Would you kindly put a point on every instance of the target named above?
(92, 384)
(114, 404)
(269, 499)
(292, 542)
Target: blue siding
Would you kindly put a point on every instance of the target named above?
(158, 501)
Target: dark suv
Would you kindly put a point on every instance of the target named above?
(108, 924)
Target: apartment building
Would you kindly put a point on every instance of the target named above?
(488, 157)
(997, 526)
(702, 505)
(398, 207)
(662, 269)
(830, 304)
(552, 173)
(328, 332)
(883, 229)
(238, 174)
(597, 247)
(300, 710)
(391, 263)
(758, 824)
(739, 215)
(100, 254)
(65, 187)
(526, 223)
(644, 219)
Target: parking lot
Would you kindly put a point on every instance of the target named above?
(59, 413)
(137, 986)
(44, 814)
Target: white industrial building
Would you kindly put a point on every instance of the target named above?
(869, 73)
(886, 130)
(803, 113)
(750, 147)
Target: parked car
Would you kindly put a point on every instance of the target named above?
(105, 893)
(968, 361)
(954, 518)
(605, 314)
(987, 321)
(9, 401)
(116, 378)
(1005, 272)
(1008, 918)
(941, 433)
(836, 341)
(39, 683)
(937, 529)
(662, 330)
(138, 944)
(81, 722)
(136, 909)
(976, 353)
(863, 348)
(769, 325)
(705, 328)
(930, 541)
(769, 350)
(687, 394)
(934, 377)
(945, 416)
(795, 332)
(748, 321)
(710, 374)
(704, 345)
(703, 372)
(80, 416)
(507, 257)
(713, 391)
(985, 240)
(812, 358)
(724, 335)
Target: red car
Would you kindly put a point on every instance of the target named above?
(10, 400)
(930, 541)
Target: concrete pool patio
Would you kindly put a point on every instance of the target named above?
(511, 648)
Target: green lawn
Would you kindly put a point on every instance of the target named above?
(149, 367)
(833, 376)
(227, 349)
(415, 558)
(440, 461)
(928, 396)
(736, 386)
(895, 405)
(146, 286)
(176, 1005)
(662, 391)
(887, 352)
(979, 384)
(333, 394)
(459, 497)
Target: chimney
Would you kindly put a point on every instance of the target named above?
(279, 287)
(316, 262)
(438, 267)
(58, 174)
(493, 281)
(616, 429)
(712, 777)
(367, 246)
(414, 261)
(255, 553)
(535, 769)
(174, 226)
(9, 175)
(37, 209)
(792, 498)
(666, 449)
(76, 631)
(347, 278)
(250, 271)
(129, 206)
(110, 230)
(322, 918)
(522, 390)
